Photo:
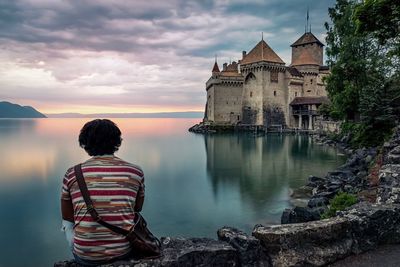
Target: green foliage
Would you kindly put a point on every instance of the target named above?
(363, 52)
(381, 17)
(340, 202)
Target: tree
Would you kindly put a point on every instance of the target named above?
(363, 55)
(346, 52)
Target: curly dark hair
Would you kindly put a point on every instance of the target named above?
(100, 137)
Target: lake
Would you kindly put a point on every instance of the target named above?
(195, 184)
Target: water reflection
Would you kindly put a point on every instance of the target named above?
(195, 184)
(14, 126)
(264, 168)
(24, 154)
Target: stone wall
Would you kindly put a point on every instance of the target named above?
(228, 102)
(253, 97)
(326, 126)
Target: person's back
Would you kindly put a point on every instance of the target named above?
(116, 188)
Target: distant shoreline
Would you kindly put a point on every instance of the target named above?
(186, 114)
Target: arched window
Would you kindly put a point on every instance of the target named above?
(274, 93)
(250, 76)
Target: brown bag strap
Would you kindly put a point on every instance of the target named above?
(89, 204)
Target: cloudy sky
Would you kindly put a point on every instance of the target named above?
(135, 56)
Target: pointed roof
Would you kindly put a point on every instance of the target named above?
(307, 38)
(305, 58)
(261, 52)
(215, 68)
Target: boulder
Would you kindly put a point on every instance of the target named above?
(318, 202)
(389, 184)
(314, 181)
(307, 244)
(300, 214)
(251, 253)
(317, 243)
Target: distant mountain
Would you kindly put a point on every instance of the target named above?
(187, 114)
(10, 110)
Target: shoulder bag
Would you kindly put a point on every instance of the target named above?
(139, 236)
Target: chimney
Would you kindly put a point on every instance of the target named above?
(224, 66)
(244, 53)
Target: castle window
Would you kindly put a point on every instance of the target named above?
(251, 94)
(274, 93)
(274, 76)
(295, 93)
(311, 81)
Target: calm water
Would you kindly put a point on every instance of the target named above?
(194, 183)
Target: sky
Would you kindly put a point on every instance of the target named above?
(120, 56)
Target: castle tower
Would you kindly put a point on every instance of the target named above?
(224, 94)
(264, 96)
(306, 64)
(308, 42)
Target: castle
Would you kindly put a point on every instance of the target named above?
(260, 90)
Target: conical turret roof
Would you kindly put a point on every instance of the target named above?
(307, 38)
(261, 52)
(215, 68)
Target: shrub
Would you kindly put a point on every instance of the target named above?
(340, 202)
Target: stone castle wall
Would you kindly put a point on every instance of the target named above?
(228, 102)
(253, 97)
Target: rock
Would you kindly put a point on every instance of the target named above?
(326, 194)
(183, 252)
(300, 214)
(389, 184)
(318, 243)
(393, 156)
(349, 189)
(302, 192)
(340, 174)
(251, 253)
(313, 181)
(318, 202)
(307, 244)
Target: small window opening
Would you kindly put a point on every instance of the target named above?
(274, 93)
(251, 94)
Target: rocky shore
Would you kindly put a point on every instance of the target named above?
(371, 222)
(352, 177)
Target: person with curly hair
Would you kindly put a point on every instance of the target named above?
(116, 188)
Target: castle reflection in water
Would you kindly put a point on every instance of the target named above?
(264, 168)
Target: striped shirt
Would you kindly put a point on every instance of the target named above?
(113, 185)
